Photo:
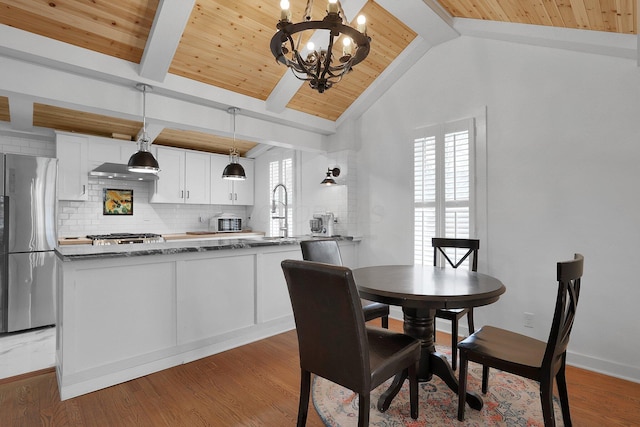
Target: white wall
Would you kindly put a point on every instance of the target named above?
(308, 195)
(563, 153)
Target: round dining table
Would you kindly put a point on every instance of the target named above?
(420, 290)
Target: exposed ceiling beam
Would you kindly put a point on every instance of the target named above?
(21, 112)
(35, 49)
(597, 42)
(433, 27)
(168, 25)
(153, 131)
(122, 101)
(426, 18)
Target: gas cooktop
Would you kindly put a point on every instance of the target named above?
(125, 238)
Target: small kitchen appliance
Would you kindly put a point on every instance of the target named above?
(322, 224)
(225, 223)
(124, 238)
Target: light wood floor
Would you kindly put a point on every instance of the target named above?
(254, 385)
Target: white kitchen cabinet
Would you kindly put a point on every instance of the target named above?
(231, 192)
(73, 178)
(107, 150)
(184, 177)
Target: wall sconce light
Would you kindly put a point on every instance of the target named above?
(331, 173)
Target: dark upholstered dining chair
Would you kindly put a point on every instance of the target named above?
(529, 357)
(440, 246)
(328, 251)
(334, 341)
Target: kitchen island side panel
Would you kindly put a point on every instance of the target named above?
(125, 315)
(215, 296)
(122, 312)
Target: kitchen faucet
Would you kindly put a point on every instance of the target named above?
(286, 205)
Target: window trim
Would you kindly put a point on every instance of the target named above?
(439, 132)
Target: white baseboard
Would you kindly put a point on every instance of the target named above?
(583, 361)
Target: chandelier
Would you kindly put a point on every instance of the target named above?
(320, 67)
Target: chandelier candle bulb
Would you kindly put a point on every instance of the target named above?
(333, 6)
(362, 24)
(285, 13)
(347, 47)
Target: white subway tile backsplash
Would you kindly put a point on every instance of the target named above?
(82, 218)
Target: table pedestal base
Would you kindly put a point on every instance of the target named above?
(419, 323)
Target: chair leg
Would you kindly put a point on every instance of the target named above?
(485, 379)
(305, 387)
(564, 395)
(413, 390)
(363, 410)
(385, 322)
(546, 399)
(454, 343)
(462, 385)
(472, 329)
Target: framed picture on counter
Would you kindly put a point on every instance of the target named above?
(117, 202)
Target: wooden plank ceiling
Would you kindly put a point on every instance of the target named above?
(4, 109)
(68, 120)
(226, 44)
(617, 16)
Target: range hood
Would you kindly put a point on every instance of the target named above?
(118, 171)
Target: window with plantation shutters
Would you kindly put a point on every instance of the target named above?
(281, 172)
(443, 185)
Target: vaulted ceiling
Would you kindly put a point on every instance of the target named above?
(215, 53)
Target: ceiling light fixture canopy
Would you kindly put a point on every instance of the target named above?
(331, 173)
(234, 170)
(319, 66)
(143, 161)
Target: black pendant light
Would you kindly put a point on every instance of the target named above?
(143, 161)
(234, 170)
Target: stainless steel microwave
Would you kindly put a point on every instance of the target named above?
(225, 224)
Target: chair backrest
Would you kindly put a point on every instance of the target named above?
(440, 245)
(332, 337)
(326, 251)
(569, 278)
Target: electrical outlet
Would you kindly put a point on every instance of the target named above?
(528, 320)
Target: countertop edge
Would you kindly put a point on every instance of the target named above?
(89, 252)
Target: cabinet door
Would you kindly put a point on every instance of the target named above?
(197, 178)
(169, 188)
(73, 178)
(221, 189)
(243, 190)
(106, 150)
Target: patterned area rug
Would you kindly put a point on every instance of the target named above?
(510, 401)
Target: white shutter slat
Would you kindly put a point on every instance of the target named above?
(442, 186)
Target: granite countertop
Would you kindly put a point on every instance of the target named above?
(188, 235)
(86, 252)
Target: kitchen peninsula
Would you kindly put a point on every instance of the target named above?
(126, 311)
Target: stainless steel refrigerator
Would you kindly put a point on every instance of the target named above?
(27, 241)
